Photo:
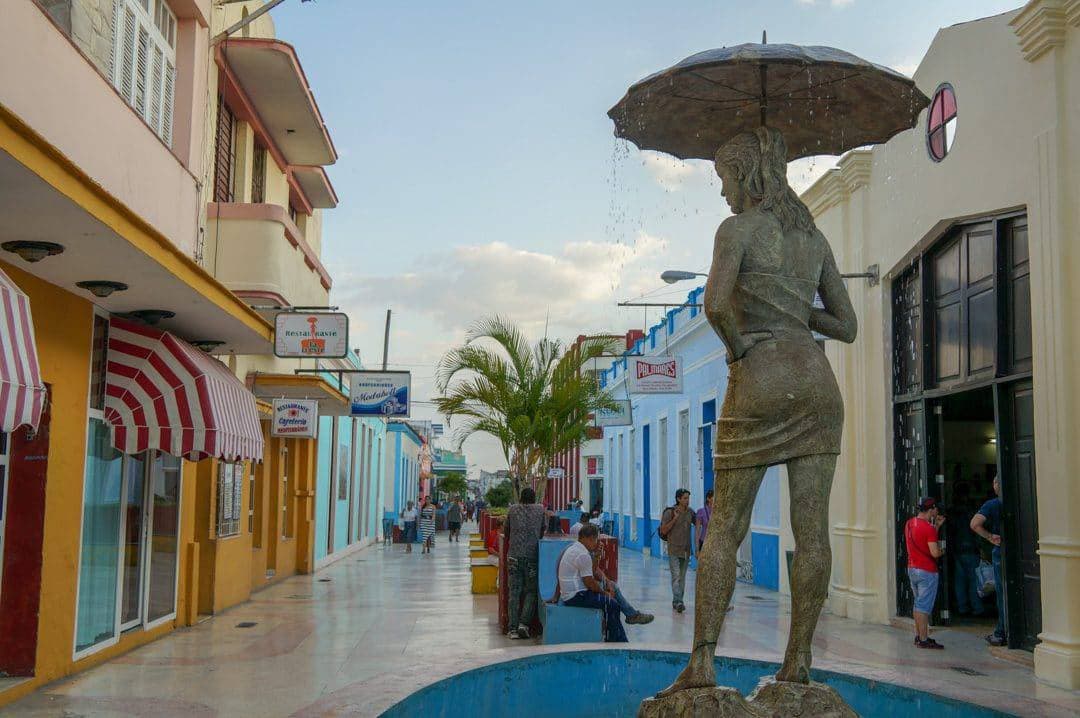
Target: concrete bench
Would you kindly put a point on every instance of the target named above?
(485, 575)
(563, 624)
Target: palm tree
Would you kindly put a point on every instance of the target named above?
(536, 400)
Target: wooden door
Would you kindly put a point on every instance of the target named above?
(1016, 461)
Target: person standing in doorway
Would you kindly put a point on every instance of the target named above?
(524, 528)
(964, 549)
(923, 551)
(453, 520)
(701, 522)
(987, 523)
(675, 524)
(427, 525)
(408, 520)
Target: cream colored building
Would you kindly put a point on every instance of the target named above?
(965, 365)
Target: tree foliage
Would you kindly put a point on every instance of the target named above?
(500, 495)
(453, 484)
(535, 399)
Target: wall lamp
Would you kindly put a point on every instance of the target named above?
(101, 287)
(32, 251)
(151, 316)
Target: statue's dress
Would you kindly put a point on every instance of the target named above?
(782, 399)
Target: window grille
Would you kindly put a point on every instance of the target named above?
(224, 153)
(144, 60)
(258, 175)
(230, 498)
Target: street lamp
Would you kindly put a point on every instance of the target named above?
(676, 275)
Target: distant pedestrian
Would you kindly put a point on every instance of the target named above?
(701, 523)
(453, 520)
(583, 520)
(427, 525)
(408, 521)
(675, 525)
(923, 550)
(524, 528)
(987, 523)
(470, 506)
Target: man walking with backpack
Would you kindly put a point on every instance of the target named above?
(675, 525)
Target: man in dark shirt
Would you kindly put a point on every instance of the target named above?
(675, 526)
(987, 523)
(524, 529)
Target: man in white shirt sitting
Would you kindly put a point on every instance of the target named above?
(578, 586)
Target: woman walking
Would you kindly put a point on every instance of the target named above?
(427, 525)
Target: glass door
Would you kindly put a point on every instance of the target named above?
(163, 531)
(131, 547)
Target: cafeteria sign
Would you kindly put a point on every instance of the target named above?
(619, 416)
(380, 393)
(322, 334)
(296, 418)
(654, 375)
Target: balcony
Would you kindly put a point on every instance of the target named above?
(259, 253)
(65, 96)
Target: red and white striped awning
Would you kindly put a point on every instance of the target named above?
(22, 393)
(162, 393)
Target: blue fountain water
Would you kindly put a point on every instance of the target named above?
(613, 683)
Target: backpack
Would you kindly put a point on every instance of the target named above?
(660, 531)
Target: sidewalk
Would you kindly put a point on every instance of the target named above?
(375, 626)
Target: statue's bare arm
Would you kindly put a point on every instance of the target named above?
(837, 319)
(720, 288)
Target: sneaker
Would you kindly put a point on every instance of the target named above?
(640, 619)
(995, 640)
(681, 607)
(523, 631)
(929, 643)
(512, 635)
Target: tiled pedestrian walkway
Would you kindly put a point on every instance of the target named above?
(357, 636)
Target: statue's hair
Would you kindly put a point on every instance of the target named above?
(759, 158)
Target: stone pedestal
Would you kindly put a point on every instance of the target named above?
(771, 699)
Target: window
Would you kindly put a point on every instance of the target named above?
(144, 60)
(631, 460)
(98, 362)
(224, 153)
(258, 175)
(230, 498)
(941, 122)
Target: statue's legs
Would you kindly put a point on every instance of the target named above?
(733, 503)
(809, 482)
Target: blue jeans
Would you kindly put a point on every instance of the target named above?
(613, 628)
(624, 605)
(999, 592)
(966, 584)
(678, 565)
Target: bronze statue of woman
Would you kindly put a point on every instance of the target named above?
(782, 404)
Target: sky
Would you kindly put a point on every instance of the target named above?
(478, 171)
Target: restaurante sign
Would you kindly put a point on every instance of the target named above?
(302, 334)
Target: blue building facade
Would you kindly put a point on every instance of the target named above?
(402, 481)
(670, 442)
(349, 483)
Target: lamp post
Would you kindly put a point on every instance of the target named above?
(677, 275)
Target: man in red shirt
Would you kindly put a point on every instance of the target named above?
(923, 551)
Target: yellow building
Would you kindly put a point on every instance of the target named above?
(139, 486)
(965, 367)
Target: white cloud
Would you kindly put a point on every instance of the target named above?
(832, 3)
(671, 173)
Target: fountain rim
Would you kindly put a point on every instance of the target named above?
(385, 690)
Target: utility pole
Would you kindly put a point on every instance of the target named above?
(386, 340)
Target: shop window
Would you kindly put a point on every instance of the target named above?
(941, 123)
(144, 60)
(230, 489)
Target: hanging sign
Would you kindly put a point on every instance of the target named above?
(295, 418)
(654, 375)
(321, 334)
(380, 393)
(556, 473)
(619, 416)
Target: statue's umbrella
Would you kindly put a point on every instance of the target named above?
(825, 101)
